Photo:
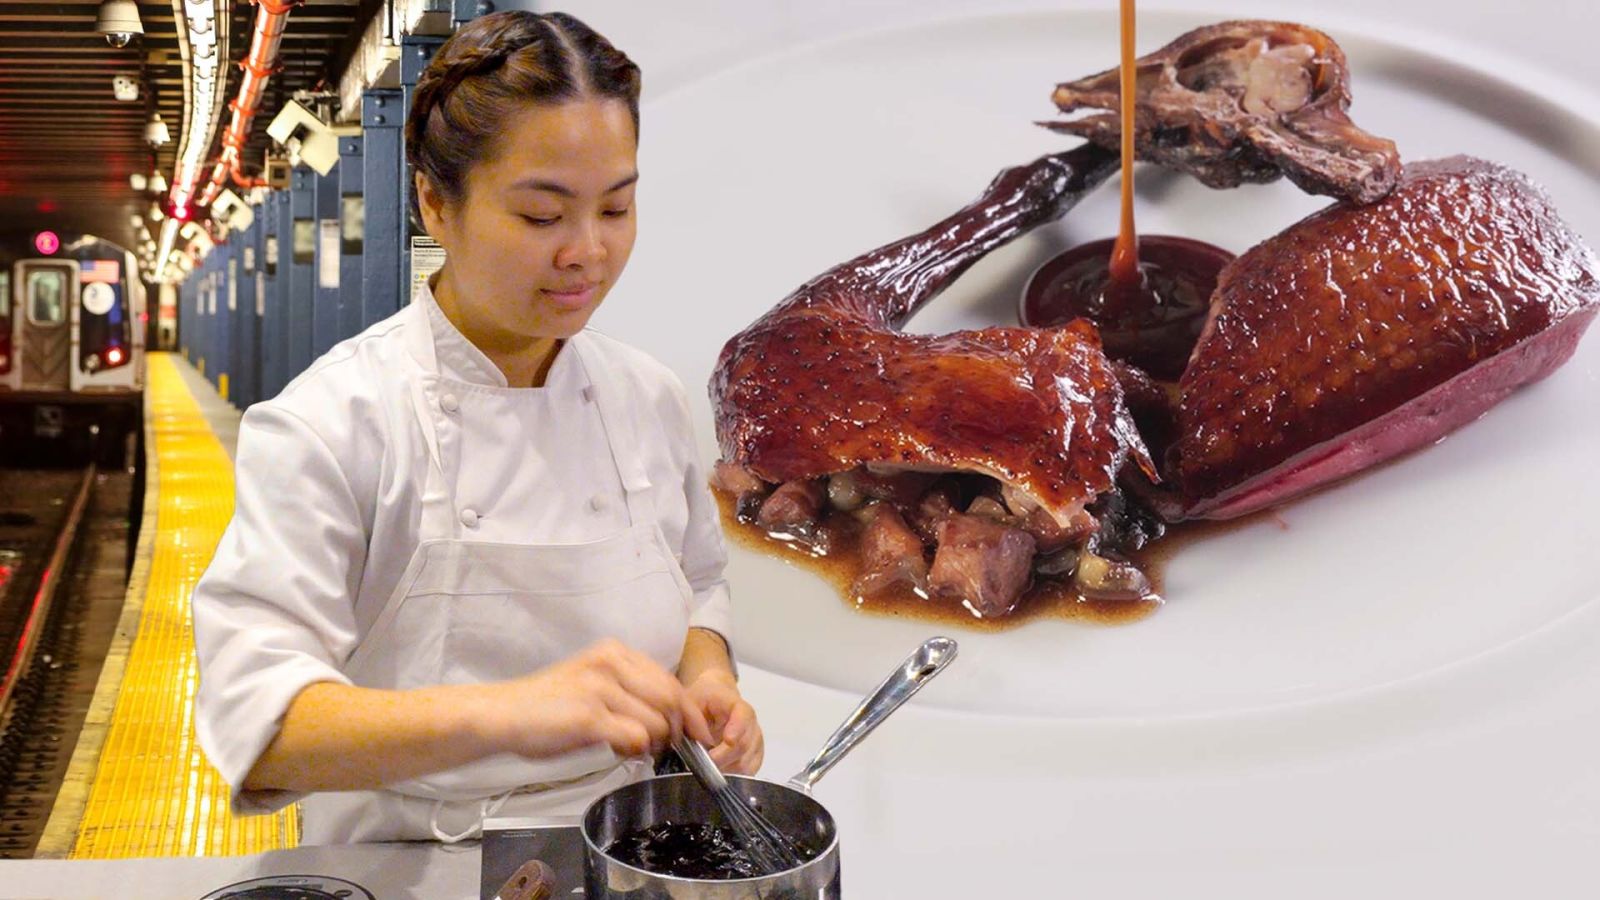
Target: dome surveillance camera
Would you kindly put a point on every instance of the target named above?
(119, 21)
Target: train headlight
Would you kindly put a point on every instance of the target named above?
(114, 355)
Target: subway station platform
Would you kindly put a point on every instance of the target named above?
(138, 784)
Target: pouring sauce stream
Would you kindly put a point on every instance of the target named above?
(1125, 253)
(1148, 297)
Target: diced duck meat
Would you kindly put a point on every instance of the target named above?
(981, 563)
(891, 554)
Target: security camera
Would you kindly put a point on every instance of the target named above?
(119, 21)
(307, 138)
(230, 209)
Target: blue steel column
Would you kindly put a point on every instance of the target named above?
(241, 367)
(185, 317)
(243, 253)
(278, 299)
(197, 319)
(266, 328)
(188, 324)
(382, 162)
(352, 222)
(227, 281)
(415, 54)
(258, 306)
(302, 241)
(203, 336)
(325, 293)
(213, 264)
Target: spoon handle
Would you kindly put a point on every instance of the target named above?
(907, 678)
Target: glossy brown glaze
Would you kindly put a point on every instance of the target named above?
(825, 383)
(1152, 323)
(1241, 102)
(1340, 324)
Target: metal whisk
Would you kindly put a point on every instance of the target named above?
(768, 847)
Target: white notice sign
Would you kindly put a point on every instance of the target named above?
(328, 253)
(233, 285)
(261, 295)
(427, 257)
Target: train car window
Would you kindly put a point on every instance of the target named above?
(47, 297)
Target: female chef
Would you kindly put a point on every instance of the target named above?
(473, 565)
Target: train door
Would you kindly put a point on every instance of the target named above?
(106, 353)
(44, 321)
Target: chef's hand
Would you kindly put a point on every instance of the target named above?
(738, 746)
(607, 694)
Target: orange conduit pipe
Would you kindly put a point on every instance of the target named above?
(259, 65)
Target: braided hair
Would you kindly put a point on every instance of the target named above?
(491, 67)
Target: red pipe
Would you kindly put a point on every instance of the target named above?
(259, 65)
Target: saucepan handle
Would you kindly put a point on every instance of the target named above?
(907, 678)
(533, 880)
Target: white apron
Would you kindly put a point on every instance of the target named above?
(470, 611)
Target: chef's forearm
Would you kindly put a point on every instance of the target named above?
(703, 651)
(340, 737)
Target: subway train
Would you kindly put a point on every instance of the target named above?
(72, 335)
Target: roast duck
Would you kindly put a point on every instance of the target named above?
(967, 465)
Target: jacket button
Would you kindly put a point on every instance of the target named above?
(469, 518)
(597, 502)
(448, 403)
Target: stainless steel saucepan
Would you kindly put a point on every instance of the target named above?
(681, 799)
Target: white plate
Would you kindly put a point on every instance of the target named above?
(762, 176)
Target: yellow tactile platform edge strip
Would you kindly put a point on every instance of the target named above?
(154, 793)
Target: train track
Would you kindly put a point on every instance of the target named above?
(63, 561)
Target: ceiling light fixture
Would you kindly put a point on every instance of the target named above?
(155, 131)
(203, 47)
(169, 234)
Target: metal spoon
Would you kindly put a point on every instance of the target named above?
(924, 663)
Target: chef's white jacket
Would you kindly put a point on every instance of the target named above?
(328, 487)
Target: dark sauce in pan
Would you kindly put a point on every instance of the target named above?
(685, 850)
(1046, 598)
(688, 850)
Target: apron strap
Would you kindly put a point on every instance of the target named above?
(439, 516)
(622, 433)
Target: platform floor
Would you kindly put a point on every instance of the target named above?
(139, 784)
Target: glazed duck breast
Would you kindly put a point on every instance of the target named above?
(1363, 332)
